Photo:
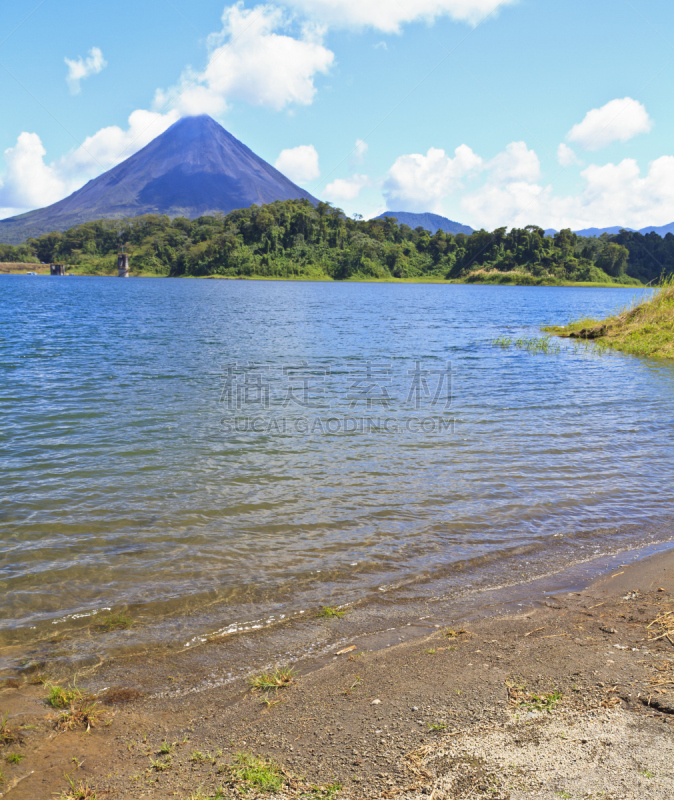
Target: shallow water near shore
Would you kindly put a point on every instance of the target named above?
(215, 456)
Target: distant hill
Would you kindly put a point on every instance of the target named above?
(599, 231)
(194, 168)
(662, 230)
(431, 222)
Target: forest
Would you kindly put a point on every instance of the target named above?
(294, 239)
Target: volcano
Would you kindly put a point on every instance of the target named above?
(194, 168)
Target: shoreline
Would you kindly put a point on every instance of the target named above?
(43, 269)
(436, 693)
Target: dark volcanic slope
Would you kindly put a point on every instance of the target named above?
(194, 168)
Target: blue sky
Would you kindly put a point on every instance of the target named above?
(523, 112)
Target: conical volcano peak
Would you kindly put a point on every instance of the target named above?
(194, 168)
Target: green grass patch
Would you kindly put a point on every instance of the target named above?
(61, 697)
(256, 773)
(14, 758)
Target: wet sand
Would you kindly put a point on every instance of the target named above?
(546, 690)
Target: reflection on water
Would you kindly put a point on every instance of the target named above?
(182, 445)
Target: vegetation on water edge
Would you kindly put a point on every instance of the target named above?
(644, 329)
(294, 239)
(533, 344)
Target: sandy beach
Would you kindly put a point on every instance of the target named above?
(568, 694)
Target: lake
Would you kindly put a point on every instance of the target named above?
(219, 454)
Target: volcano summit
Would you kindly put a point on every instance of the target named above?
(194, 168)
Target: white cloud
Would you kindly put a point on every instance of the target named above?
(566, 156)
(300, 164)
(419, 183)
(617, 121)
(613, 194)
(388, 16)
(515, 164)
(28, 182)
(81, 68)
(509, 190)
(345, 189)
(250, 60)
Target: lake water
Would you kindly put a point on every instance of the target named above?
(212, 453)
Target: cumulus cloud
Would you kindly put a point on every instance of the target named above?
(388, 16)
(81, 68)
(250, 60)
(345, 189)
(613, 194)
(419, 183)
(617, 121)
(28, 181)
(566, 156)
(300, 164)
(509, 190)
(516, 164)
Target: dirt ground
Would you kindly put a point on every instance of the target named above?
(571, 696)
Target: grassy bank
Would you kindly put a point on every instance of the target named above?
(645, 329)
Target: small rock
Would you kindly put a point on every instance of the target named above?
(375, 702)
(606, 629)
(620, 646)
(415, 708)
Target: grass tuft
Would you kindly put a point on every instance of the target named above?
(330, 612)
(161, 766)
(452, 634)
(60, 697)
(272, 681)
(80, 791)
(7, 734)
(518, 696)
(116, 622)
(14, 758)
(256, 773)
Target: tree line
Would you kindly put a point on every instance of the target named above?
(294, 239)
